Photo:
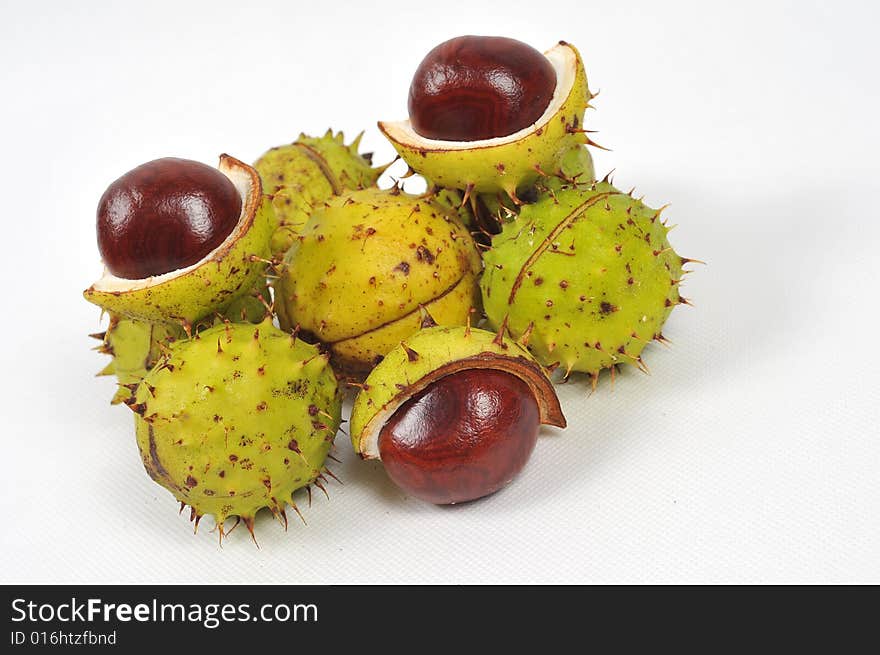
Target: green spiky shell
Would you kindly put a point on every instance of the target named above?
(509, 163)
(209, 286)
(237, 419)
(577, 164)
(453, 200)
(307, 172)
(491, 210)
(591, 269)
(249, 308)
(430, 354)
(365, 264)
(135, 347)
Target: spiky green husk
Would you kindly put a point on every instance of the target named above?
(364, 265)
(589, 270)
(302, 175)
(485, 213)
(454, 201)
(249, 308)
(495, 209)
(237, 419)
(184, 296)
(430, 354)
(135, 347)
(577, 165)
(506, 164)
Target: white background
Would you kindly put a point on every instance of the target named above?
(752, 452)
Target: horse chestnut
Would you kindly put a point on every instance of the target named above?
(463, 437)
(479, 87)
(165, 215)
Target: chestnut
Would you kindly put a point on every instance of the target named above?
(479, 87)
(454, 412)
(464, 436)
(165, 215)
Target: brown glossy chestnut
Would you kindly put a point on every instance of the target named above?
(479, 87)
(164, 215)
(463, 437)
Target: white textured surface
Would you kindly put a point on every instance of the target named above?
(751, 454)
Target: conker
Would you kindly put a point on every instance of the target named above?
(463, 437)
(164, 215)
(479, 87)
